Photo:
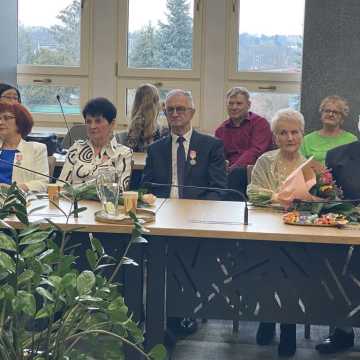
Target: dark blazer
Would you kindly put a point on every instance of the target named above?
(209, 169)
(344, 162)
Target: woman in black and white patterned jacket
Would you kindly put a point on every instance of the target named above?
(101, 150)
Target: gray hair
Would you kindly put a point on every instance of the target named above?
(287, 114)
(181, 92)
(336, 99)
(236, 90)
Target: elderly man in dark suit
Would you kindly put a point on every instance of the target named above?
(185, 157)
(344, 162)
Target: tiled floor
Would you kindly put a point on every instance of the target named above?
(215, 341)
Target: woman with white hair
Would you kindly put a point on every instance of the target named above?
(270, 171)
(273, 167)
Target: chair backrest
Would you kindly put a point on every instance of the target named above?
(121, 137)
(237, 180)
(52, 163)
(249, 170)
(78, 132)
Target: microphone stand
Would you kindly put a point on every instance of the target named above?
(75, 201)
(246, 209)
(64, 117)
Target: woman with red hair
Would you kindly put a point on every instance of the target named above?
(15, 124)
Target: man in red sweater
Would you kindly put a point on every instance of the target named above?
(245, 134)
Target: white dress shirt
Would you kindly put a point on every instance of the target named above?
(174, 193)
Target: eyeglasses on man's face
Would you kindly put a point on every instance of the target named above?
(180, 110)
(329, 112)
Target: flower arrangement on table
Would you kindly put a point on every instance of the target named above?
(326, 208)
(310, 196)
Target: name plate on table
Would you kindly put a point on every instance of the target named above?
(146, 215)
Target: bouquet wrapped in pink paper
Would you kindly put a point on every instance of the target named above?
(297, 185)
(317, 202)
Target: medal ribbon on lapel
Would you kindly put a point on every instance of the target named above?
(18, 158)
(192, 156)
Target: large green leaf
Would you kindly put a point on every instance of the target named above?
(135, 332)
(2, 293)
(35, 237)
(85, 282)
(69, 280)
(32, 250)
(28, 230)
(44, 293)
(96, 245)
(6, 262)
(88, 298)
(45, 312)
(6, 242)
(116, 304)
(8, 291)
(55, 281)
(3, 274)
(26, 276)
(78, 210)
(24, 302)
(158, 352)
(91, 258)
(118, 311)
(65, 265)
(45, 254)
(22, 216)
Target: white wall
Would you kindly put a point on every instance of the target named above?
(104, 50)
(8, 41)
(213, 68)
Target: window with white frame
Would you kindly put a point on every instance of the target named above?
(53, 41)
(265, 51)
(128, 89)
(159, 42)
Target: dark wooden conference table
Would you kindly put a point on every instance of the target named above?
(203, 262)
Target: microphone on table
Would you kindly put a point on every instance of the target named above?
(76, 207)
(243, 197)
(64, 117)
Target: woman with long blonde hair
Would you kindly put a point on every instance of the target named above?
(144, 128)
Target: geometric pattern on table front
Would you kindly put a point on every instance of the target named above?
(263, 280)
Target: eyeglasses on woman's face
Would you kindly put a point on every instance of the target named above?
(6, 117)
(10, 95)
(331, 112)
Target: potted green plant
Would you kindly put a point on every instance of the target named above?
(51, 310)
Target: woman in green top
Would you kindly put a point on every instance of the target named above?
(333, 109)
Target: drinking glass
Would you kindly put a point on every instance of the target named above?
(109, 190)
(130, 201)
